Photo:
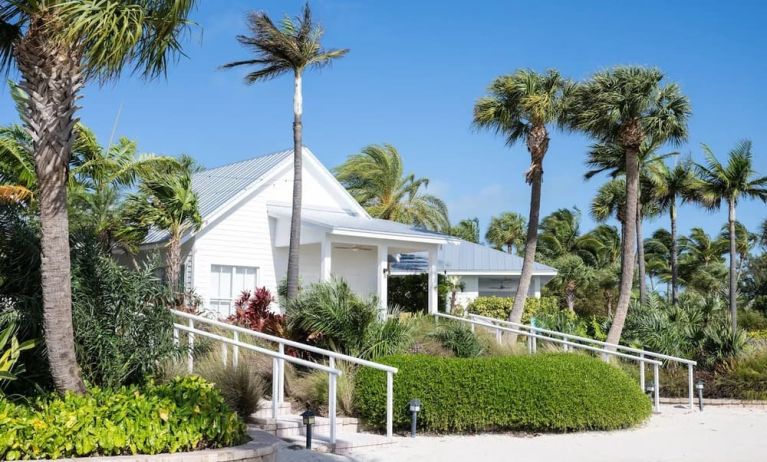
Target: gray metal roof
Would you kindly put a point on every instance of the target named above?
(467, 257)
(216, 186)
(336, 219)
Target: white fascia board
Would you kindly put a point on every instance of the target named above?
(498, 273)
(389, 236)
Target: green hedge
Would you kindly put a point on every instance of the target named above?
(183, 415)
(554, 392)
(500, 307)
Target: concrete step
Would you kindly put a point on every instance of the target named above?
(265, 409)
(346, 441)
(290, 425)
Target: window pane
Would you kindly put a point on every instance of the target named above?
(215, 271)
(225, 282)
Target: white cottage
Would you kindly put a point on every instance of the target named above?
(243, 242)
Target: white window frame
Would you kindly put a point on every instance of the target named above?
(219, 301)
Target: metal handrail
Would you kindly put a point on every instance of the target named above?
(280, 357)
(535, 336)
(688, 362)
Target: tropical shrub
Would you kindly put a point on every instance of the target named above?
(410, 293)
(10, 350)
(552, 392)
(331, 316)
(252, 312)
(184, 415)
(459, 339)
(500, 307)
(310, 390)
(241, 386)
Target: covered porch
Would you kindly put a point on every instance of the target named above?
(356, 249)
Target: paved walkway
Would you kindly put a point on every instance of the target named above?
(731, 434)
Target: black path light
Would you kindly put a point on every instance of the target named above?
(699, 387)
(415, 407)
(649, 389)
(308, 418)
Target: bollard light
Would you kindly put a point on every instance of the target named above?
(699, 387)
(308, 419)
(415, 407)
(649, 389)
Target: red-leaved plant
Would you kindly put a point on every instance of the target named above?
(252, 312)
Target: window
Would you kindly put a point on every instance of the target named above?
(226, 284)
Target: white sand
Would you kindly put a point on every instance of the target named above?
(717, 434)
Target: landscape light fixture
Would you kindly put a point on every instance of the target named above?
(415, 407)
(649, 389)
(699, 387)
(308, 418)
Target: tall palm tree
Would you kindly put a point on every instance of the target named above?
(745, 241)
(520, 106)
(559, 234)
(701, 266)
(659, 257)
(670, 184)
(729, 183)
(611, 158)
(58, 46)
(506, 231)
(292, 46)
(376, 178)
(167, 202)
(628, 106)
(467, 229)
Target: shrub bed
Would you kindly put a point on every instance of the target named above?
(183, 415)
(554, 392)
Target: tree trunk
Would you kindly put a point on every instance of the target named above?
(51, 77)
(609, 298)
(295, 217)
(674, 253)
(733, 281)
(627, 246)
(452, 300)
(570, 296)
(173, 262)
(640, 252)
(537, 145)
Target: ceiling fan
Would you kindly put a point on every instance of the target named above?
(353, 248)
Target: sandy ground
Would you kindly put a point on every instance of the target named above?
(717, 434)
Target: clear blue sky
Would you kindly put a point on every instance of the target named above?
(414, 72)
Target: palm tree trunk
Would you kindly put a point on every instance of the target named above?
(570, 296)
(733, 281)
(674, 253)
(295, 217)
(174, 261)
(537, 145)
(51, 77)
(640, 253)
(627, 246)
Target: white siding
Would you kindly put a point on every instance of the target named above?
(357, 268)
(470, 291)
(309, 264)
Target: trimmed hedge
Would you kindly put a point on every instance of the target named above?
(184, 415)
(550, 392)
(500, 307)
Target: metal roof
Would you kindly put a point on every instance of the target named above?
(465, 258)
(217, 186)
(346, 220)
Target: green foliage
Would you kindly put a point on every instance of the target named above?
(507, 231)
(123, 328)
(310, 391)
(458, 338)
(331, 316)
(184, 415)
(551, 392)
(466, 229)
(500, 307)
(410, 293)
(10, 350)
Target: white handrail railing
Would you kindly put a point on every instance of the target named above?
(644, 353)
(533, 335)
(278, 383)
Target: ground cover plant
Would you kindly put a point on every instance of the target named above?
(550, 392)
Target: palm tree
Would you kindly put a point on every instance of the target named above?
(701, 266)
(454, 284)
(745, 241)
(58, 46)
(559, 234)
(628, 105)
(611, 158)
(520, 106)
(467, 229)
(600, 249)
(659, 257)
(506, 231)
(668, 185)
(730, 183)
(290, 47)
(167, 202)
(376, 178)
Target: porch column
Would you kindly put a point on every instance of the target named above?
(433, 280)
(382, 281)
(537, 286)
(326, 250)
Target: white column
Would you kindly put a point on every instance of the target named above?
(537, 286)
(433, 280)
(382, 278)
(326, 251)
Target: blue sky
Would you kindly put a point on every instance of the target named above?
(414, 72)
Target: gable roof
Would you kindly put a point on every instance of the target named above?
(468, 258)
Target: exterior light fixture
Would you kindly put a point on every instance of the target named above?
(308, 419)
(415, 407)
(699, 387)
(649, 389)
